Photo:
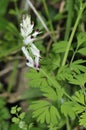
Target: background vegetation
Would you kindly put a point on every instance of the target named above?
(55, 97)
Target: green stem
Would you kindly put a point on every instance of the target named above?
(72, 35)
(73, 56)
(49, 19)
(70, 4)
(67, 123)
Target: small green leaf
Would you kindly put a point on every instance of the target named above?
(82, 120)
(22, 115)
(82, 51)
(15, 120)
(67, 109)
(13, 110)
(59, 47)
(81, 38)
(77, 66)
(48, 91)
(54, 114)
(78, 109)
(79, 97)
(19, 109)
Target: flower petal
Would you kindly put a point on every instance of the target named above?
(28, 57)
(26, 26)
(37, 65)
(35, 50)
(28, 40)
(35, 33)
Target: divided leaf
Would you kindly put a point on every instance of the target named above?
(64, 73)
(37, 79)
(67, 109)
(78, 80)
(77, 66)
(82, 51)
(59, 47)
(44, 111)
(81, 38)
(79, 97)
(49, 93)
(82, 120)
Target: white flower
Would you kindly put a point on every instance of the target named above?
(30, 62)
(28, 37)
(27, 29)
(26, 26)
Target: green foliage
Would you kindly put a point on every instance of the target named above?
(19, 117)
(4, 114)
(77, 66)
(67, 110)
(45, 112)
(57, 93)
(64, 73)
(82, 120)
(79, 97)
(59, 47)
(37, 79)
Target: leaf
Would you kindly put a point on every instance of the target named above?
(51, 62)
(78, 109)
(59, 47)
(49, 93)
(82, 51)
(82, 120)
(67, 109)
(54, 115)
(78, 80)
(64, 73)
(77, 66)
(81, 38)
(19, 109)
(15, 120)
(47, 116)
(13, 110)
(37, 79)
(38, 104)
(22, 115)
(45, 112)
(79, 97)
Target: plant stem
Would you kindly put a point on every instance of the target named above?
(70, 4)
(49, 19)
(73, 56)
(72, 35)
(67, 123)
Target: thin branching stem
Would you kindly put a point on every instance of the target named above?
(72, 34)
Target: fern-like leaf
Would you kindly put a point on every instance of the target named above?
(82, 120)
(44, 111)
(79, 97)
(77, 66)
(37, 79)
(67, 109)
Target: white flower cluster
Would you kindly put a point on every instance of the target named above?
(30, 51)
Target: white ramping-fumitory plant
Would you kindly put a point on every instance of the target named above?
(30, 51)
